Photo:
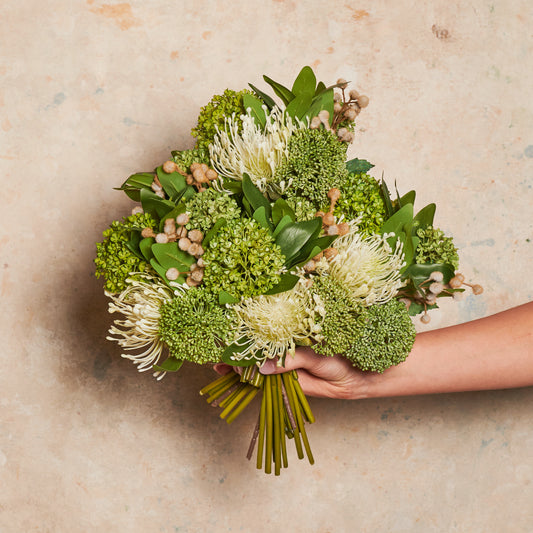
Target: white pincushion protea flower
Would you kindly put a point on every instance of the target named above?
(275, 324)
(139, 303)
(254, 151)
(368, 267)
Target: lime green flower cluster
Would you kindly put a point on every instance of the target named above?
(243, 260)
(303, 209)
(209, 206)
(435, 247)
(185, 158)
(385, 337)
(114, 260)
(194, 326)
(339, 326)
(213, 115)
(316, 162)
(361, 197)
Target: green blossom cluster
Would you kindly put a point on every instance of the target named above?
(114, 260)
(194, 327)
(435, 247)
(243, 260)
(339, 326)
(185, 158)
(206, 207)
(385, 337)
(361, 197)
(316, 163)
(303, 209)
(214, 113)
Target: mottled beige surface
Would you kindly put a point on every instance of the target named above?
(91, 92)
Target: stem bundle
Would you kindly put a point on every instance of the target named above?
(284, 411)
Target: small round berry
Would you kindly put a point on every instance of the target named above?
(425, 319)
(344, 228)
(477, 289)
(334, 194)
(211, 174)
(169, 167)
(330, 253)
(460, 277)
(182, 219)
(353, 96)
(436, 287)
(342, 83)
(363, 100)
(197, 275)
(195, 235)
(455, 282)
(328, 219)
(137, 210)
(337, 107)
(147, 232)
(184, 244)
(161, 238)
(172, 274)
(436, 276)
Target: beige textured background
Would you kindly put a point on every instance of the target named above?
(92, 91)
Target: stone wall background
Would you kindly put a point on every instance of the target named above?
(91, 92)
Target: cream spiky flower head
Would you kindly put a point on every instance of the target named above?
(274, 324)
(255, 151)
(368, 267)
(140, 303)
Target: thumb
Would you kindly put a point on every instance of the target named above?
(303, 358)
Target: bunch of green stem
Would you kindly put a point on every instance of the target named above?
(233, 393)
(284, 411)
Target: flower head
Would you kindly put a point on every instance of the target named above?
(368, 267)
(140, 303)
(255, 151)
(273, 325)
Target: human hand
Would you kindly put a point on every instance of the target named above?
(320, 376)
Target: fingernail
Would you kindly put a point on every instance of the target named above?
(269, 367)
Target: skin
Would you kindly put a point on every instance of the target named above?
(495, 352)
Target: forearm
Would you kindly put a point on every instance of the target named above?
(491, 353)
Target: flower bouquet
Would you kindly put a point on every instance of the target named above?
(264, 238)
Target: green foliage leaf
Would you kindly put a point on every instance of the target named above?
(268, 101)
(180, 208)
(153, 204)
(221, 222)
(386, 198)
(133, 243)
(260, 216)
(280, 209)
(305, 82)
(169, 365)
(174, 184)
(286, 283)
(358, 166)
(226, 298)
(284, 93)
(281, 224)
(420, 273)
(397, 221)
(169, 255)
(294, 236)
(425, 216)
(299, 105)
(145, 246)
(136, 182)
(408, 198)
(254, 195)
(256, 109)
(320, 88)
(163, 271)
(323, 101)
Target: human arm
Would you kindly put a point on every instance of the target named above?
(495, 352)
